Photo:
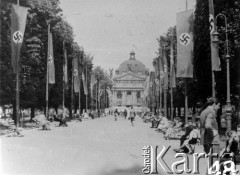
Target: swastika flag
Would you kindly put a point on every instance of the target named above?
(50, 63)
(185, 44)
(76, 75)
(65, 75)
(18, 23)
(216, 64)
(84, 80)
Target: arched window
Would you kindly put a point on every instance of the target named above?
(119, 94)
(138, 94)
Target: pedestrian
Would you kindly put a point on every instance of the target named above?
(115, 114)
(132, 115)
(209, 125)
(125, 113)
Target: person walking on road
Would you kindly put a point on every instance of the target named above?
(132, 115)
(115, 114)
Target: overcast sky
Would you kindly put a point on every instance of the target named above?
(110, 29)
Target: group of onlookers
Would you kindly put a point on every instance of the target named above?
(62, 116)
(204, 132)
(189, 133)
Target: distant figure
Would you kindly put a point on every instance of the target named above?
(125, 113)
(41, 121)
(132, 115)
(115, 114)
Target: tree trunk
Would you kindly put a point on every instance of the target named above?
(179, 111)
(14, 116)
(32, 113)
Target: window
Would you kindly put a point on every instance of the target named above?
(129, 93)
(119, 94)
(138, 94)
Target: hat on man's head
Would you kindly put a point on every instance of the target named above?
(210, 100)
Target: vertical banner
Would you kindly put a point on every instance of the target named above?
(146, 87)
(161, 70)
(65, 76)
(172, 68)
(18, 23)
(216, 64)
(76, 75)
(152, 90)
(50, 63)
(84, 84)
(93, 81)
(165, 69)
(185, 44)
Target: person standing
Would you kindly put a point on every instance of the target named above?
(209, 125)
(125, 113)
(132, 115)
(116, 114)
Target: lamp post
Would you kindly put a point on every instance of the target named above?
(227, 57)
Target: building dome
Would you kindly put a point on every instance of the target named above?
(132, 65)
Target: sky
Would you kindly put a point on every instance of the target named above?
(109, 30)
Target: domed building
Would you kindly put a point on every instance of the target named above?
(128, 86)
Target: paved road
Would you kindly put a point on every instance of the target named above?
(94, 147)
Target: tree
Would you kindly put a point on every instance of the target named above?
(33, 57)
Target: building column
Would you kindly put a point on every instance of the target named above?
(115, 97)
(124, 98)
(134, 97)
(141, 97)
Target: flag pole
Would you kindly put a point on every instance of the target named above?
(72, 84)
(86, 88)
(17, 97)
(96, 97)
(186, 96)
(63, 102)
(165, 87)
(79, 93)
(17, 89)
(171, 94)
(160, 87)
(171, 74)
(47, 78)
(157, 71)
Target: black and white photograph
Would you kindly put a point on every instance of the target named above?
(119, 87)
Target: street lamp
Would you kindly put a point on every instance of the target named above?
(227, 57)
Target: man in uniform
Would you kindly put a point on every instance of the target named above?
(208, 125)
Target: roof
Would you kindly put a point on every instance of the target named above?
(132, 65)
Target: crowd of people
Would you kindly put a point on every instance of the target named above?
(203, 132)
(188, 134)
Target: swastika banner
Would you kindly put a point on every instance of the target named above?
(185, 44)
(76, 75)
(18, 23)
(84, 80)
(216, 64)
(65, 75)
(50, 63)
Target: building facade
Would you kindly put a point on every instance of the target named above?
(129, 80)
